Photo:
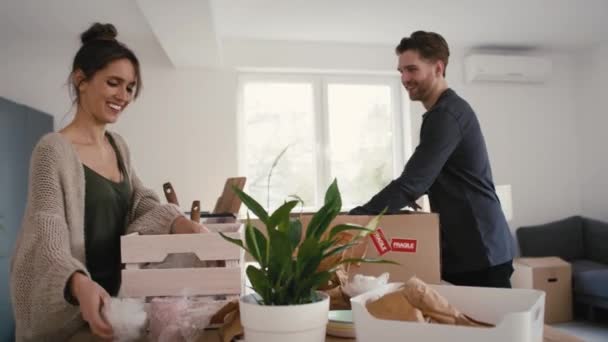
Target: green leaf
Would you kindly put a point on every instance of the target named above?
(290, 286)
(280, 246)
(324, 245)
(319, 279)
(306, 292)
(297, 198)
(259, 283)
(373, 223)
(316, 220)
(252, 204)
(339, 249)
(347, 227)
(280, 217)
(237, 242)
(332, 195)
(322, 219)
(257, 244)
(280, 258)
(295, 233)
(309, 257)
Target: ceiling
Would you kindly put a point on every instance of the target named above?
(58, 19)
(560, 24)
(190, 32)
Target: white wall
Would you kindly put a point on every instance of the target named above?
(183, 128)
(35, 73)
(592, 118)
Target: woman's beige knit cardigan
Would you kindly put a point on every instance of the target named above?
(50, 246)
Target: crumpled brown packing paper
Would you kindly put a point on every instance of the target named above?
(418, 302)
(232, 326)
(395, 306)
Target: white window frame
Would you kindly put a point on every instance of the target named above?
(401, 120)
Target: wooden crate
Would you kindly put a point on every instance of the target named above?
(140, 250)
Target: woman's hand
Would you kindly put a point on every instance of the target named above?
(91, 296)
(182, 225)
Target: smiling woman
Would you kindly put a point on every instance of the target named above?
(83, 195)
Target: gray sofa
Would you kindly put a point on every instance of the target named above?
(584, 243)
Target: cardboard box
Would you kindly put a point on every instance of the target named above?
(412, 240)
(551, 275)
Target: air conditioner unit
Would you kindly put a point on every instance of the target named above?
(507, 68)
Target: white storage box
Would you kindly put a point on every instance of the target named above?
(225, 278)
(517, 314)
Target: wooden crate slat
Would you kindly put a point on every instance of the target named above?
(181, 282)
(223, 227)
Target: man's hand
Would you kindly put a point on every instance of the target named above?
(415, 206)
(182, 225)
(361, 210)
(91, 297)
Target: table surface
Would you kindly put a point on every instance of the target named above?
(550, 335)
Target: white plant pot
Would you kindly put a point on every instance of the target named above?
(284, 323)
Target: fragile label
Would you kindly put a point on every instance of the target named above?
(404, 245)
(380, 242)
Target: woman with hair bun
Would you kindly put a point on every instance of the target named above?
(83, 195)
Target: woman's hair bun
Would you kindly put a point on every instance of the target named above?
(99, 31)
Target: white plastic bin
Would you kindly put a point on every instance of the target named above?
(517, 313)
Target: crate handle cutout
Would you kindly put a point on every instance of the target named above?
(155, 248)
(188, 260)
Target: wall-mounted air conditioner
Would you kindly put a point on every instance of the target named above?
(506, 68)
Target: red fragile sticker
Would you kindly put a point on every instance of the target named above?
(380, 242)
(404, 245)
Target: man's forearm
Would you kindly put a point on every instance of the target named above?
(392, 198)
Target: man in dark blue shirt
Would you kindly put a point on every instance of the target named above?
(451, 165)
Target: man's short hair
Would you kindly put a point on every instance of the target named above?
(430, 45)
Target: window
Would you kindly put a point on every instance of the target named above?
(310, 129)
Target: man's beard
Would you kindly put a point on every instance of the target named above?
(421, 90)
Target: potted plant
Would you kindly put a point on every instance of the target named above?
(286, 305)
